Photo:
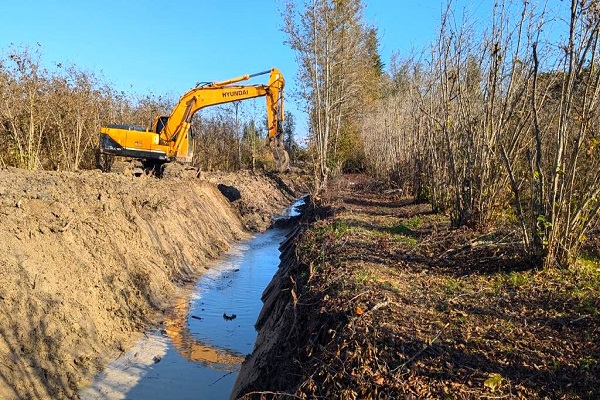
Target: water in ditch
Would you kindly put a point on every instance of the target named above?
(199, 352)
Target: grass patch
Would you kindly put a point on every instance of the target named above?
(517, 279)
(589, 265)
(402, 229)
(341, 228)
(513, 280)
(404, 234)
(589, 363)
(452, 286)
(414, 222)
(364, 275)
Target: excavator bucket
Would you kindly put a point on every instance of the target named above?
(282, 158)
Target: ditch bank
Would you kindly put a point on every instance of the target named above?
(91, 260)
(266, 371)
(379, 297)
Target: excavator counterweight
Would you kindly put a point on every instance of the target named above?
(169, 138)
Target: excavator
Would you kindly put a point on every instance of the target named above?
(169, 138)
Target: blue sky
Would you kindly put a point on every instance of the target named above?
(169, 45)
(165, 46)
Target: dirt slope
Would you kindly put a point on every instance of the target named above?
(90, 260)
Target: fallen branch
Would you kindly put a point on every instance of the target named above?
(580, 318)
(475, 245)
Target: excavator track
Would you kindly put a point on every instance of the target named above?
(104, 162)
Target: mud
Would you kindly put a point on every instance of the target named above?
(90, 261)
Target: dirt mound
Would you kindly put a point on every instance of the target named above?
(90, 260)
(260, 192)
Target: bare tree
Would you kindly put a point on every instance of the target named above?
(564, 162)
(24, 106)
(496, 117)
(76, 113)
(331, 43)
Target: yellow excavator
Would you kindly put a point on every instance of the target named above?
(169, 137)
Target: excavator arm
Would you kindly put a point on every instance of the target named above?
(168, 139)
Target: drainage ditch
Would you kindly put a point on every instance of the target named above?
(200, 350)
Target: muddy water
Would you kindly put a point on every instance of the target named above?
(198, 354)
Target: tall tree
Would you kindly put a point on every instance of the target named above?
(332, 45)
(289, 125)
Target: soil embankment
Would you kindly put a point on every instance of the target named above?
(91, 260)
(380, 298)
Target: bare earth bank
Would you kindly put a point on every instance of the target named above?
(90, 261)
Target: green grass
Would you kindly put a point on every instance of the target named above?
(511, 280)
(404, 234)
(364, 275)
(518, 279)
(402, 229)
(589, 362)
(452, 286)
(341, 228)
(414, 222)
(589, 264)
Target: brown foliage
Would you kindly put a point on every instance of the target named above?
(497, 122)
(388, 301)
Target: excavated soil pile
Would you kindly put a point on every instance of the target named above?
(90, 260)
(379, 298)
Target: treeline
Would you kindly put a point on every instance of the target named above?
(50, 118)
(496, 123)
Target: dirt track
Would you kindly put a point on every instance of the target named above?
(90, 260)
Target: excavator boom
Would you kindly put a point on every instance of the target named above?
(168, 139)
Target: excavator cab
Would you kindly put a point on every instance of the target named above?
(160, 123)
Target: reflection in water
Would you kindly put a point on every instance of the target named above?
(195, 350)
(202, 351)
(205, 350)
